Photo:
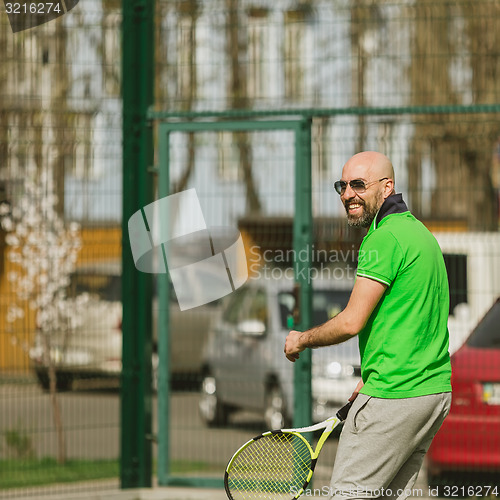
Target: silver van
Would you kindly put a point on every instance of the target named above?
(243, 363)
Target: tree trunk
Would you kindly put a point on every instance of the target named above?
(238, 99)
(54, 401)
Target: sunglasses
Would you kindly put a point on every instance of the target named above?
(357, 185)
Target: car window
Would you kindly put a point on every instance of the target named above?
(257, 307)
(325, 304)
(328, 303)
(104, 286)
(233, 308)
(286, 301)
(486, 335)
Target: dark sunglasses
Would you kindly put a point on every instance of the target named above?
(357, 185)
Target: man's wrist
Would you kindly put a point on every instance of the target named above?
(306, 339)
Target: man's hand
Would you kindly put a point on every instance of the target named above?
(293, 346)
(364, 297)
(356, 391)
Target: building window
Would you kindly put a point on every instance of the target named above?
(186, 60)
(228, 165)
(78, 151)
(320, 148)
(294, 54)
(258, 44)
(111, 52)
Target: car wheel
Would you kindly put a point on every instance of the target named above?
(64, 381)
(212, 411)
(275, 411)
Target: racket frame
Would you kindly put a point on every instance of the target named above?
(328, 425)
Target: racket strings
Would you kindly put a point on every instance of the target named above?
(271, 465)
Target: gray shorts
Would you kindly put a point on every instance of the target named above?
(383, 444)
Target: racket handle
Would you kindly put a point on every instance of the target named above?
(342, 413)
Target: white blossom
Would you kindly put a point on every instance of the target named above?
(7, 224)
(12, 276)
(14, 313)
(43, 279)
(4, 209)
(45, 251)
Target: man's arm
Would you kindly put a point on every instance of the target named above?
(365, 295)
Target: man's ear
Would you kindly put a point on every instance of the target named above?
(389, 188)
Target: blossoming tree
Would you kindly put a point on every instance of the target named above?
(43, 252)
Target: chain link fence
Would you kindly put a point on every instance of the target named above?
(60, 313)
(414, 80)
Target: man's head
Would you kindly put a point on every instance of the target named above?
(367, 180)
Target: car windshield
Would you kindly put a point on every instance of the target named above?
(105, 286)
(325, 303)
(486, 335)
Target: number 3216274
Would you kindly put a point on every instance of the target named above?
(32, 8)
(470, 491)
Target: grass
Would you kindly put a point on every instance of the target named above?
(32, 472)
(192, 467)
(23, 473)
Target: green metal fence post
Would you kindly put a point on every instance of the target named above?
(137, 92)
(163, 332)
(302, 241)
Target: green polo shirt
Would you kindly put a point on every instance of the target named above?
(404, 345)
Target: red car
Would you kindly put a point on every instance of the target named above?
(466, 450)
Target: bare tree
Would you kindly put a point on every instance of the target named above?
(358, 26)
(459, 147)
(238, 98)
(188, 81)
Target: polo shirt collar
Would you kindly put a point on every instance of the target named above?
(394, 204)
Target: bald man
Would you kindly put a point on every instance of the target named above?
(399, 310)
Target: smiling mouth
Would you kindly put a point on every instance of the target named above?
(353, 207)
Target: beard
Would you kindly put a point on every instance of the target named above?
(369, 211)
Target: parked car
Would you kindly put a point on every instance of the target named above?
(244, 366)
(467, 447)
(91, 350)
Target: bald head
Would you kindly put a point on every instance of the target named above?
(368, 165)
(368, 180)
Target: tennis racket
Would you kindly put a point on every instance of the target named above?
(277, 464)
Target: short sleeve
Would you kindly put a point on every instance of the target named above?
(380, 257)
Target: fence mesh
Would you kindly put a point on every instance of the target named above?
(427, 71)
(433, 65)
(60, 312)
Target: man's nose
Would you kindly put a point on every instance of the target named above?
(349, 193)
